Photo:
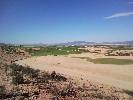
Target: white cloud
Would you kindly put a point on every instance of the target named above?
(130, 2)
(119, 15)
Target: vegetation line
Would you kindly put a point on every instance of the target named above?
(108, 61)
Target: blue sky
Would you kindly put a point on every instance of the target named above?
(54, 21)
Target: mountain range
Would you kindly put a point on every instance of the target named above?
(76, 43)
(79, 43)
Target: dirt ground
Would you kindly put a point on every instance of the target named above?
(120, 76)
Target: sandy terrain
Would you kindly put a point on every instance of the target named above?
(115, 75)
(94, 56)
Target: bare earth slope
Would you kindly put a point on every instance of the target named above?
(115, 75)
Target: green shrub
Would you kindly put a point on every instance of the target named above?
(2, 90)
(18, 79)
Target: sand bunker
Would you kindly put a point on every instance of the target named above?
(115, 75)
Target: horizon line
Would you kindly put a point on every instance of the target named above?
(43, 43)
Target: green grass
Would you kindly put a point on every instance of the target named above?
(112, 61)
(55, 51)
(109, 61)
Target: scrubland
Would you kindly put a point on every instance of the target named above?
(62, 74)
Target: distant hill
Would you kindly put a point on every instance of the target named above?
(119, 43)
(75, 43)
(79, 43)
(2, 44)
(127, 42)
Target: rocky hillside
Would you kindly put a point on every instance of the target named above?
(9, 54)
(30, 84)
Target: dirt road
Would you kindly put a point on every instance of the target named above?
(115, 75)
